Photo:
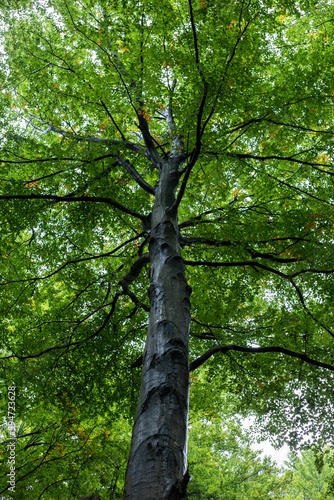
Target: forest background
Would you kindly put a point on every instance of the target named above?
(166, 201)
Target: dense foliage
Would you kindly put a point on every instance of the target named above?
(93, 94)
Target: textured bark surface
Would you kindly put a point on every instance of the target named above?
(157, 468)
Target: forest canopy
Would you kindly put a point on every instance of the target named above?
(166, 209)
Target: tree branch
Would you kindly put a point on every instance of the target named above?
(133, 273)
(316, 271)
(187, 241)
(288, 277)
(113, 121)
(245, 263)
(70, 199)
(299, 127)
(245, 124)
(303, 303)
(40, 160)
(69, 344)
(151, 151)
(74, 261)
(135, 175)
(256, 350)
(272, 257)
(193, 29)
(290, 158)
(228, 62)
(111, 57)
(51, 128)
(198, 219)
(184, 241)
(196, 151)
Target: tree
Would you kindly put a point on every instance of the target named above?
(194, 138)
(311, 475)
(223, 463)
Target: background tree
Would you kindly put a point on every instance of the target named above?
(310, 475)
(132, 131)
(222, 461)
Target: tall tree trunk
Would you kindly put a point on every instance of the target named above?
(157, 468)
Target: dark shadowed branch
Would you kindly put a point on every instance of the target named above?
(188, 241)
(252, 263)
(257, 350)
(133, 273)
(79, 138)
(291, 158)
(69, 199)
(151, 151)
(303, 303)
(196, 151)
(135, 175)
(113, 121)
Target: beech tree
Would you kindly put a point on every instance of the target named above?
(166, 208)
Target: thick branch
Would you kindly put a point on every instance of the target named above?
(184, 241)
(290, 158)
(196, 152)
(133, 273)
(188, 241)
(69, 199)
(193, 29)
(256, 350)
(316, 271)
(51, 128)
(272, 257)
(245, 263)
(135, 175)
(275, 122)
(151, 151)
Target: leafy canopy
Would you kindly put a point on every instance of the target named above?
(247, 87)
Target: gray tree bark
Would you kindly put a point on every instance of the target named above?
(157, 468)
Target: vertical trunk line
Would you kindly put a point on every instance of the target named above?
(157, 468)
